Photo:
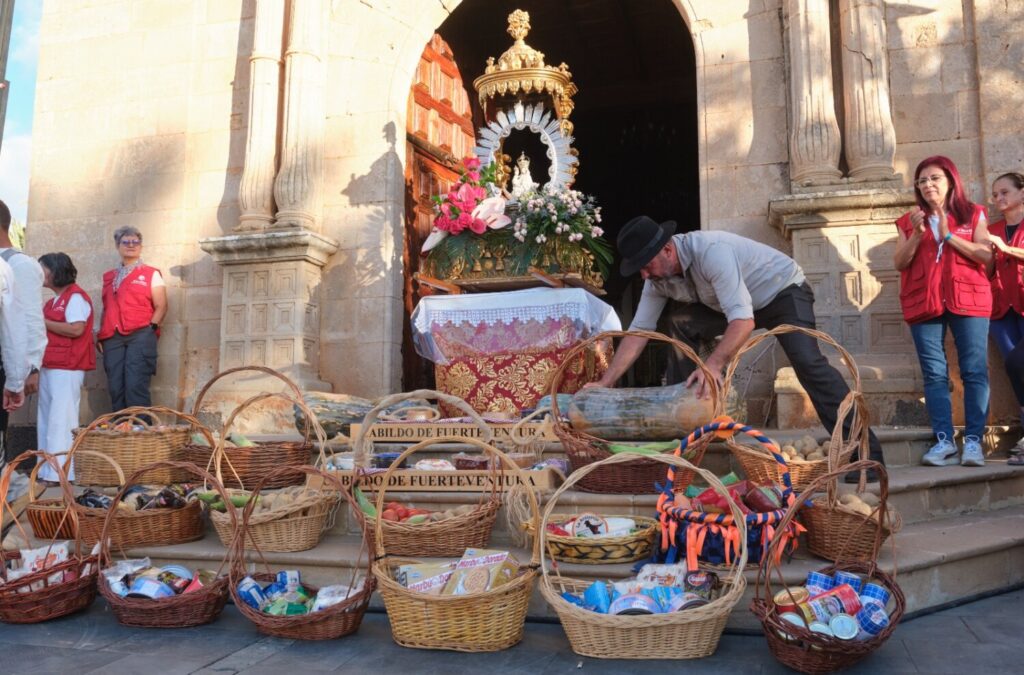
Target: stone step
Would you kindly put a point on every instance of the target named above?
(937, 562)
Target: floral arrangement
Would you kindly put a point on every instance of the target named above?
(556, 229)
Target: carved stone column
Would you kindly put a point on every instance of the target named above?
(869, 135)
(298, 187)
(256, 192)
(814, 142)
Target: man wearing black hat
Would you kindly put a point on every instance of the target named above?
(723, 284)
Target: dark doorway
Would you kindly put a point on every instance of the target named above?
(636, 111)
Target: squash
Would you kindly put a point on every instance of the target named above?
(638, 414)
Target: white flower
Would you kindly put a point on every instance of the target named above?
(541, 239)
(435, 238)
(520, 236)
(596, 231)
(597, 217)
(554, 219)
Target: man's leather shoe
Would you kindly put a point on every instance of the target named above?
(854, 476)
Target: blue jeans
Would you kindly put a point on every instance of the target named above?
(970, 334)
(1008, 334)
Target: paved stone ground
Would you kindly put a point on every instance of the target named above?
(980, 637)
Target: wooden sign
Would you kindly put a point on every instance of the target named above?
(412, 480)
(402, 432)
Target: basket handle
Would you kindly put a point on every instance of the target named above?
(768, 564)
(403, 414)
(65, 486)
(312, 424)
(362, 448)
(487, 448)
(556, 378)
(516, 432)
(153, 411)
(197, 406)
(104, 554)
(840, 449)
(735, 573)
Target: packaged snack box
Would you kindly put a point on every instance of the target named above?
(481, 570)
(429, 578)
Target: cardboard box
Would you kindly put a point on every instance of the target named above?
(481, 570)
(429, 578)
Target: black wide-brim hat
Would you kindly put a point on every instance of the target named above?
(640, 240)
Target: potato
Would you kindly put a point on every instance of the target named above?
(870, 499)
(849, 498)
(789, 449)
(862, 509)
(464, 509)
(816, 455)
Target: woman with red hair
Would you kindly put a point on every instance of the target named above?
(941, 253)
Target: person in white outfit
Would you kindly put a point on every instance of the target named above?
(15, 356)
(69, 354)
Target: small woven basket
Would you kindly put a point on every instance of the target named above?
(297, 527)
(443, 539)
(178, 611)
(638, 475)
(758, 465)
(249, 465)
(35, 598)
(48, 517)
(156, 442)
(796, 646)
(329, 623)
(603, 550)
(692, 633)
(487, 621)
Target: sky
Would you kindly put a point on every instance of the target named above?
(16, 151)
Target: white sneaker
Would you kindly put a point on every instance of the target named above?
(942, 453)
(1019, 448)
(972, 455)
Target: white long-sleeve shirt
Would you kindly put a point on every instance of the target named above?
(28, 306)
(13, 346)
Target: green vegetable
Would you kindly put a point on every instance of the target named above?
(199, 439)
(241, 500)
(219, 506)
(694, 490)
(364, 504)
(208, 497)
(646, 449)
(416, 520)
(240, 440)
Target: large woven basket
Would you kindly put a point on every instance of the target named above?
(249, 465)
(298, 527)
(693, 633)
(329, 623)
(697, 534)
(796, 646)
(158, 441)
(19, 601)
(758, 465)
(638, 475)
(488, 621)
(48, 517)
(178, 611)
(603, 550)
(155, 527)
(443, 539)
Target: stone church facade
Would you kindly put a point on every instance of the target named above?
(260, 147)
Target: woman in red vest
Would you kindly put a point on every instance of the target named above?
(1007, 327)
(941, 253)
(134, 304)
(69, 353)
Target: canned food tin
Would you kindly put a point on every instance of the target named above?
(844, 626)
(840, 600)
(819, 627)
(819, 582)
(875, 592)
(793, 618)
(686, 601)
(634, 603)
(202, 579)
(701, 583)
(146, 587)
(849, 578)
(788, 599)
(871, 619)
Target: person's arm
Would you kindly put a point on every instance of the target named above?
(1005, 248)
(159, 302)
(71, 330)
(12, 346)
(906, 246)
(626, 353)
(979, 249)
(737, 332)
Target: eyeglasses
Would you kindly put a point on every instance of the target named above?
(936, 179)
(131, 242)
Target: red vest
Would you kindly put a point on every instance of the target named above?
(130, 307)
(1007, 284)
(63, 352)
(954, 283)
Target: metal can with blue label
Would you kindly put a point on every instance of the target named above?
(818, 583)
(875, 592)
(855, 582)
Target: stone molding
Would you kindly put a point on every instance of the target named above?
(270, 246)
(880, 203)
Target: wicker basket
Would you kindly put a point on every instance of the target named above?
(332, 622)
(178, 611)
(605, 550)
(488, 621)
(247, 466)
(156, 527)
(693, 633)
(131, 449)
(444, 539)
(298, 527)
(49, 517)
(637, 476)
(815, 653)
(19, 603)
(758, 465)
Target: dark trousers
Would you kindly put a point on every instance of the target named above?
(694, 323)
(130, 363)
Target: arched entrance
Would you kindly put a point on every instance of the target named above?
(635, 116)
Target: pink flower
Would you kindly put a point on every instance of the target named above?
(473, 176)
(491, 212)
(467, 194)
(478, 226)
(471, 163)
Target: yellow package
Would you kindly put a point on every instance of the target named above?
(429, 578)
(481, 570)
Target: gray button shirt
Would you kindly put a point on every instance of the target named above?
(723, 271)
